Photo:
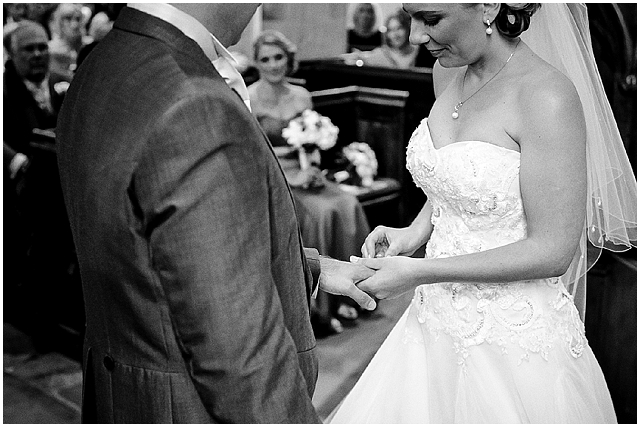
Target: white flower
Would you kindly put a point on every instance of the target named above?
(363, 158)
(61, 87)
(311, 129)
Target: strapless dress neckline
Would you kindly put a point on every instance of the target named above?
(461, 143)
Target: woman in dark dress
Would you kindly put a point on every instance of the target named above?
(364, 36)
(274, 102)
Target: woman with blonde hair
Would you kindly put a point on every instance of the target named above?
(397, 51)
(275, 101)
(68, 37)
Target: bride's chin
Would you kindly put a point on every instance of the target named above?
(447, 63)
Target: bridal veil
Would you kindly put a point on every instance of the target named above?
(559, 34)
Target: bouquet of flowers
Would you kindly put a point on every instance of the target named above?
(363, 158)
(309, 132)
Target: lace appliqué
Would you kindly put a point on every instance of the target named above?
(499, 314)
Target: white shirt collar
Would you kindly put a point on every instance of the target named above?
(40, 93)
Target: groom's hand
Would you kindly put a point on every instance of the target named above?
(340, 278)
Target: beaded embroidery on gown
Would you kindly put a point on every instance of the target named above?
(473, 352)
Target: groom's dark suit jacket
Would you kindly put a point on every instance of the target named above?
(195, 281)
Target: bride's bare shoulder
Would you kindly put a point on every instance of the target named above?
(544, 87)
(547, 101)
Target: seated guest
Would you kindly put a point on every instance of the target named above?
(274, 101)
(15, 12)
(364, 35)
(33, 213)
(32, 93)
(67, 39)
(397, 52)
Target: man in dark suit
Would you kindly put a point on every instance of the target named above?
(196, 284)
(32, 94)
(37, 242)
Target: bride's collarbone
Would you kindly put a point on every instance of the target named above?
(475, 126)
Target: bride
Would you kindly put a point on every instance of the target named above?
(522, 164)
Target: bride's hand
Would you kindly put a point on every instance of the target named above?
(388, 241)
(393, 276)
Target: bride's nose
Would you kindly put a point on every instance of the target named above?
(418, 34)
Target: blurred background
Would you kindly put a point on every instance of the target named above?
(352, 64)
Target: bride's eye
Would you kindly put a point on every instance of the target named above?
(278, 57)
(428, 19)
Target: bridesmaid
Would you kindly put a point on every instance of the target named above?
(274, 102)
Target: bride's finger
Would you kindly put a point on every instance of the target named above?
(372, 263)
(370, 245)
(392, 250)
(364, 251)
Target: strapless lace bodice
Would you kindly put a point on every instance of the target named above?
(473, 187)
(474, 190)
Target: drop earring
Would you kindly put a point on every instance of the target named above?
(489, 31)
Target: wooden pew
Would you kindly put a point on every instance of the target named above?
(377, 117)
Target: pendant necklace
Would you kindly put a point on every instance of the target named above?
(457, 107)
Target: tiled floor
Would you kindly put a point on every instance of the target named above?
(40, 389)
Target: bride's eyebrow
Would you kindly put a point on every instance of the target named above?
(423, 13)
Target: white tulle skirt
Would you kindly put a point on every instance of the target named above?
(422, 381)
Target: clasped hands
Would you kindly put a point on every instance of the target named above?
(384, 271)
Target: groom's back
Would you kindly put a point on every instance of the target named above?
(146, 350)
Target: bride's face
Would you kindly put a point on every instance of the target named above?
(272, 63)
(453, 33)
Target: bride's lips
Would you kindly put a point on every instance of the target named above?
(436, 52)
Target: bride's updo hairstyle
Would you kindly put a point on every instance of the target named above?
(513, 18)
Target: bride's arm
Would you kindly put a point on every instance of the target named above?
(553, 186)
